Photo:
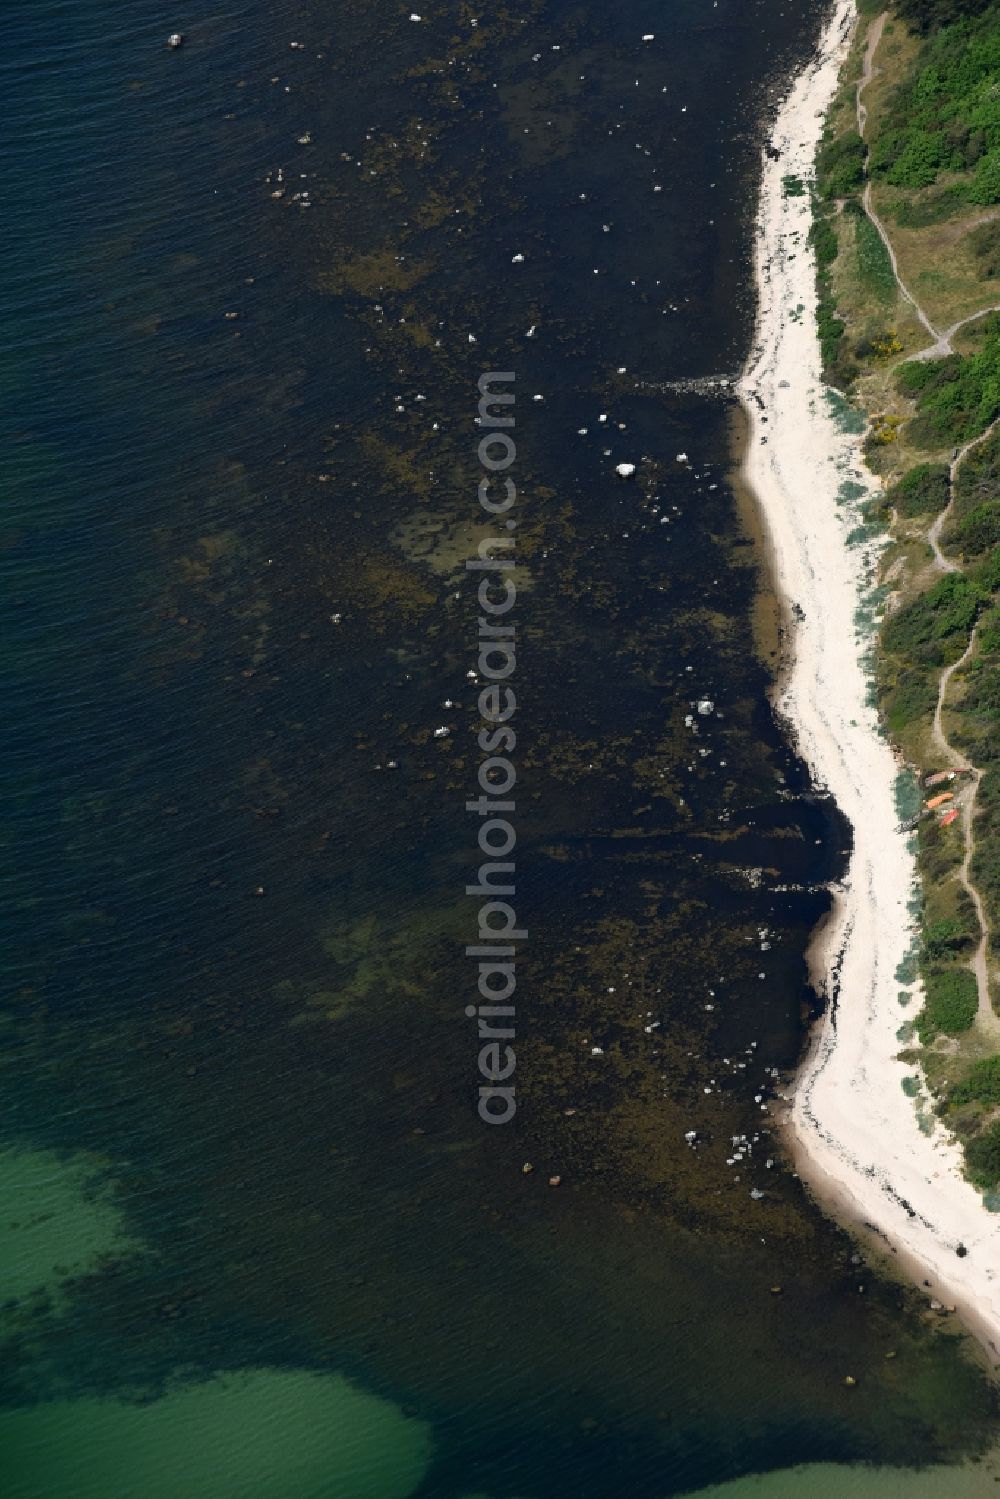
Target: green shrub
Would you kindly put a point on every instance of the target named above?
(931, 208)
(977, 731)
(944, 938)
(824, 241)
(840, 165)
(985, 865)
(912, 696)
(948, 608)
(919, 376)
(838, 369)
(982, 1084)
(982, 1157)
(909, 160)
(957, 397)
(923, 490)
(985, 186)
(937, 857)
(978, 479)
(951, 1003)
(989, 636)
(945, 117)
(984, 242)
(929, 15)
(980, 529)
(986, 575)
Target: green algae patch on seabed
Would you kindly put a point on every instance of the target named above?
(829, 1481)
(264, 1435)
(58, 1219)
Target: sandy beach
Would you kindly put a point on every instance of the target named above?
(854, 1131)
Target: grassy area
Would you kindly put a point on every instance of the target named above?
(875, 272)
(938, 261)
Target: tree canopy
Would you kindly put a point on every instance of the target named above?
(928, 15)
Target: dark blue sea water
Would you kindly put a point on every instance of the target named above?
(256, 1241)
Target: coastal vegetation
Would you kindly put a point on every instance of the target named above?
(922, 490)
(956, 397)
(912, 338)
(840, 165)
(928, 15)
(838, 368)
(945, 116)
(951, 1002)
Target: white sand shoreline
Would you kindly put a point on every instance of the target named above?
(854, 1131)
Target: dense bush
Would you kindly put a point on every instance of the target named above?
(912, 696)
(946, 116)
(957, 397)
(930, 208)
(982, 1084)
(906, 158)
(840, 165)
(982, 1157)
(838, 369)
(977, 726)
(989, 636)
(919, 376)
(924, 635)
(985, 185)
(922, 491)
(982, 691)
(937, 850)
(944, 938)
(984, 242)
(985, 866)
(980, 529)
(978, 479)
(824, 241)
(928, 15)
(951, 1003)
(948, 608)
(986, 575)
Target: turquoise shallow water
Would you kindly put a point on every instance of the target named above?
(975, 1482)
(254, 1239)
(261, 1433)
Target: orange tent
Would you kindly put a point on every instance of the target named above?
(939, 801)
